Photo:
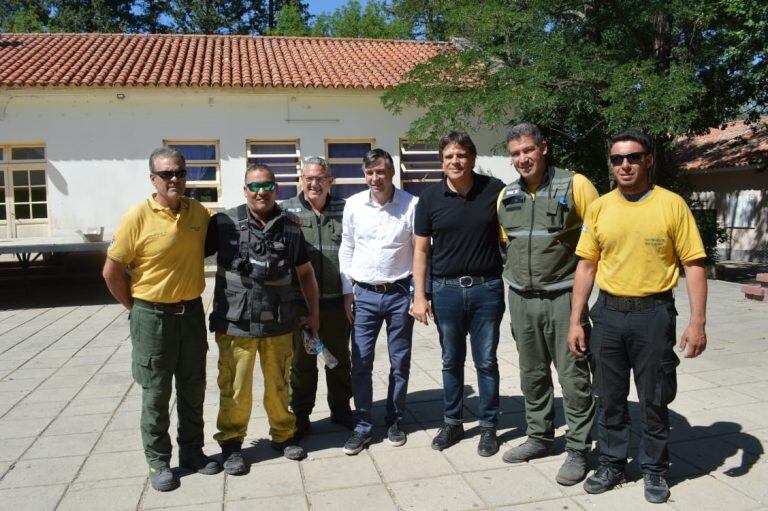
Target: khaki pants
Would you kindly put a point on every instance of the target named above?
(237, 356)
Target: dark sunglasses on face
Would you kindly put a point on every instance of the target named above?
(267, 186)
(166, 175)
(633, 158)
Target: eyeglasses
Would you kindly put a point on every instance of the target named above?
(166, 175)
(267, 186)
(321, 180)
(632, 158)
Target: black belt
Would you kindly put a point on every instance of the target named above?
(402, 284)
(540, 293)
(464, 281)
(177, 308)
(635, 303)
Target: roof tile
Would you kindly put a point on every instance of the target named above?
(736, 145)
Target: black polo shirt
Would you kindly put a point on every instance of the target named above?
(464, 230)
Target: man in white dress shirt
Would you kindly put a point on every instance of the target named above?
(375, 257)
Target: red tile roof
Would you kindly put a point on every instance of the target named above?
(736, 145)
(153, 60)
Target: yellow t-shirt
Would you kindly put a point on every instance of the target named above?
(637, 245)
(584, 193)
(164, 250)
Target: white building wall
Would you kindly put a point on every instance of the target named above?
(97, 144)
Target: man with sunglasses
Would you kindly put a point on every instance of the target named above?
(321, 223)
(541, 215)
(161, 241)
(257, 246)
(633, 241)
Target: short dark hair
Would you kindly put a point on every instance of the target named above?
(634, 136)
(457, 137)
(375, 155)
(259, 167)
(170, 153)
(525, 129)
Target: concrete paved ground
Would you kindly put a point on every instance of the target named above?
(69, 414)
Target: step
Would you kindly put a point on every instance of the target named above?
(755, 293)
(762, 279)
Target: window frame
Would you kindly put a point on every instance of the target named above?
(428, 175)
(333, 161)
(291, 177)
(190, 184)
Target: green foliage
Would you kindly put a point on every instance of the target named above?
(108, 16)
(290, 22)
(353, 20)
(218, 16)
(426, 17)
(24, 15)
(711, 232)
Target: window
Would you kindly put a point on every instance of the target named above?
(203, 174)
(345, 158)
(283, 157)
(29, 194)
(420, 166)
(742, 210)
(23, 191)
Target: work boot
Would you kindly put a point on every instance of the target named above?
(396, 436)
(574, 469)
(200, 463)
(528, 450)
(489, 444)
(290, 449)
(604, 478)
(234, 463)
(448, 435)
(163, 479)
(302, 425)
(656, 488)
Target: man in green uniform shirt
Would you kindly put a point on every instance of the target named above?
(161, 241)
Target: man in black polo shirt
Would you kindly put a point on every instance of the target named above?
(458, 216)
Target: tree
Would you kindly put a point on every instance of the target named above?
(290, 22)
(425, 16)
(275, 6)
(585, 70)
(218, 16)
(24, 15)
(108, 16)
(352, 20)
(153, 16)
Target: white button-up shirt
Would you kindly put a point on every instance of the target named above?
(377, 240)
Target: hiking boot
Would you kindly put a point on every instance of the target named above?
(290, 449)
(448, 435)
(302, 425)
(200, 463)
(656, 488)
(234, 463)
(489, 444)
(528, 450)
(574, 468)
(604, 478)
(343, 419)
(163, 479)
(356, 443)
(395, 435)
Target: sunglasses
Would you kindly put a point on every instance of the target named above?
(316, 179)
(632, 158)
(267, 186)
(166, 175)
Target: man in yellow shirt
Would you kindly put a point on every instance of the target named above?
(540, 215)
(633, 240)
(161, 242)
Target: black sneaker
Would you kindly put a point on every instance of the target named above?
(200, 463)
(604, 478)
(290, 449)
(356, 443)
(234, 463)
(656, 488)
(531, 449)
(489, 444)
(448, 435)
(395, 435)
(302, 425)
(163, 479)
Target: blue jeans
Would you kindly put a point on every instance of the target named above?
(371, 310)
(477, 311)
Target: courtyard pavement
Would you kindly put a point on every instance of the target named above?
(69, 415)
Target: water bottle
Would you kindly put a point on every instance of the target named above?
(314, 346)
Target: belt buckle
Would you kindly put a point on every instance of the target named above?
(380, 288)
(183, 309)
(469, 281)
(627, 304)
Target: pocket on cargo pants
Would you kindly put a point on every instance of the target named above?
(146, 343)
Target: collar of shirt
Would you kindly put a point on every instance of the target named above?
(157, 207)
(277, 213)
(473, 190)
(394, 200)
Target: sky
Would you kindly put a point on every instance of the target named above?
(320, 6)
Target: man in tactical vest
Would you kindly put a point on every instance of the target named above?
(257, 246)
(541, 216)
(321, 217)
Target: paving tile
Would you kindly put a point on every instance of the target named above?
(513, 485)
(436, 494)
(114, 466)
(22, 428)
(24, 411)
(626, 498)
(66, 425)
(195, 489)
(12, 448)
(284, 503)
(93, 406)
(464, 456)
(58, 394)
(397, 464)
(119, 441)
(331, 473)
(12, 396)
(42, 472)
(353, 499)
(57, 446)
(265, 481)
(125, 420)
(562, 504)
(113, 494)
(41, 498)
(708, 493)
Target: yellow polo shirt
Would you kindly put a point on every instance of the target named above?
(637, 245)
(163, 249)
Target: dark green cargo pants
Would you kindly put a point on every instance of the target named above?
(169, 344)
(540, 329)
(334, 332)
